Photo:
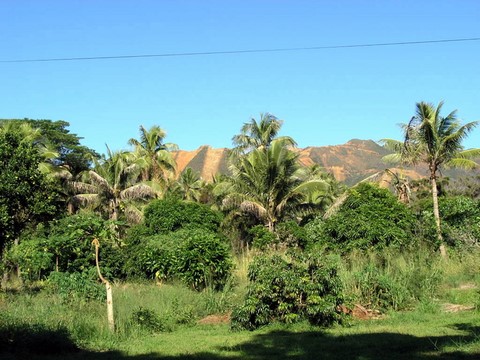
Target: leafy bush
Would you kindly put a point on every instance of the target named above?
(292, 234)
(31, 256)
(262, 238)
(288, 290)
(149, 320)
(163, 216)
(75, 286)
(369, 217)
(203, 259)
(198, 257)
(70, 241)
(460, 217)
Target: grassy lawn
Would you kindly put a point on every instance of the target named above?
(43, 325)
(425, 333)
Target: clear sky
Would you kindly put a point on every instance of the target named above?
(325, 97)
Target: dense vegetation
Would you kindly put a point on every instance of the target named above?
(271, 242)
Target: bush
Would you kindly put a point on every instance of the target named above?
(70, 240)
(75, 286)
(369, 217)
(31, 256)
(460, 220)
(163, 216)
(262, 238)
(198, 257)
(148, 320)
(289, 290)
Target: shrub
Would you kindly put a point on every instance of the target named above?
(198, 257)
(31, 256)
(70, 241)
(262, 238)
(163, 216)
(292, 234)
(75, 286)
(203, 259)
(369, 217)
(460, 218)
(148, 320)
(288, 290)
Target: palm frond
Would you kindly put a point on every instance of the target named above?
(139, 191)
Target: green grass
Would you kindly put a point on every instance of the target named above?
(36, 324)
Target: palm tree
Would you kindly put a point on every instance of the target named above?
(436, 141)
(154, 154)
(267, 183)
(259, 135)
(190, 185)
(112, 185)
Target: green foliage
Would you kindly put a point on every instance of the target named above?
(292, 234)
(460, 220)
(163, 216)
(26, 196)
(262, 238)
(148, 319)
(199, 258)
(390, 279)
(70, 153)
(32, 256)
(70, 240)
(203, 259)
(75, 286)
(289, 290)
(370, 217)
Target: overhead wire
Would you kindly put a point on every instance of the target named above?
(247, 51)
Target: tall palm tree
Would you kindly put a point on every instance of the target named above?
(155, 155)
(259, 135)
(267, 183)
(436, 141)
(112, 185)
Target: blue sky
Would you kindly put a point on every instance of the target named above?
(325, 97)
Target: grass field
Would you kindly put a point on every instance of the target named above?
(41, 325)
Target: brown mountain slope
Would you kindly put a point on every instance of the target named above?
(349, 163)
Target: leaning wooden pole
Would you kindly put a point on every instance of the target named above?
(111, 321)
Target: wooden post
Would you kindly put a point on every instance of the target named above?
(110, 318)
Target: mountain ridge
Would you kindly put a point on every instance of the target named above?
(349, 163)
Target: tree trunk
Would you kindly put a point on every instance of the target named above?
(110, 318)
(18, 270)
(436, 214)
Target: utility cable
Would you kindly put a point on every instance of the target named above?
(248, 51)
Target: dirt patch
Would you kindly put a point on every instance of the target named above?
(453, 308)
(215, 319)
(467, 286)
(361, 312)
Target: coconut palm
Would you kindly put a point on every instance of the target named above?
(112, 185)
(267, 183)
(154, 155)
(190, 185)
(259, 135)
(436, 141)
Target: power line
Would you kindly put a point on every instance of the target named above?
(248, 51)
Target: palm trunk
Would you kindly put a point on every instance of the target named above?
(436, 214)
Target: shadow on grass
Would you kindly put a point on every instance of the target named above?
(47, 344)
